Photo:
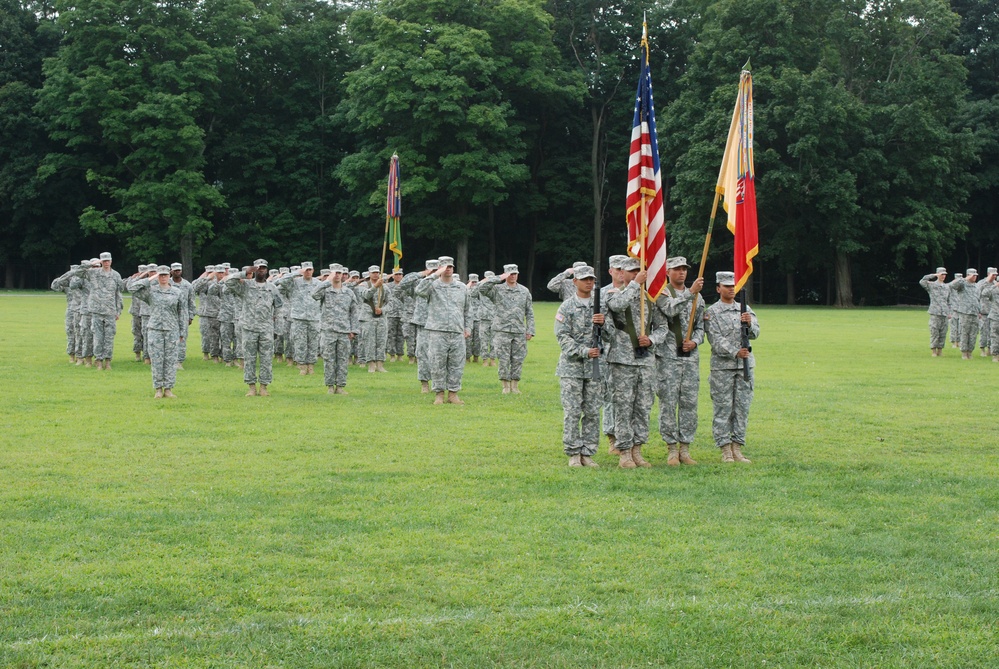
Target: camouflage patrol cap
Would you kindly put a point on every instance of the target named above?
(162, 269)
(971, 272)
(511, 269)
(283, 270)
(105, 256)
(630, 264)
(374, 268)
(473, 277)
(958, 275)
(992, 270)
(941, 270)
(397, 270)
(488, 274)
(676, 261)
(260, 262)
(583, 272)
(307, 264)
(295, 268)
(176, 265)
(445, 261)
(579, 263)
(725, 278)
(615, 261)
(365, 275)
(336, 268)
(432, 264)
(456, 276)
(355, 273)
(226, 265)
(272, 272)
(325, 272)
(94, 262)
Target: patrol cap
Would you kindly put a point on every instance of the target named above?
(260, 262)
(365, 275)
(374, 268)
(95, 261)
(615, 261)
(488, 274)
(630, 264)
(510, 269)
(295, 268)
(456, 276)
(676, 261)
(209, 268)
(105, 256)
(78, 267)
(325, 272)
(85, 262)
(579, 263)
(445, 261)
(583, 272)
(307, 264)
(226, 265)
(336, 268)
(992, 270)
(473, 277)
(941, 270)
(431, 264)
(397, 270)
(725, 278)
(246, 268)
(283, 270)
(355, 273)
(272, 272)
(162, 269)
(958, 276)
(233, 271)
(176, 265)
(971, 272)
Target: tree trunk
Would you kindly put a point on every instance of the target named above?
(790, 288)
(462, 259)
(187, 256)
(844, 282)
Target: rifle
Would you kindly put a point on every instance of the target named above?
(597, 331)
(745, 334)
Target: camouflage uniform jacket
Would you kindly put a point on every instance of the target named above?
(260, 302)
(725, 334)
(574, 332)
(408, 284)
(965, 296)
(486, 307)
(674, 310)
(299, 293)
(392, 302)
(62, 284)
(985, 297)
(448, 306)
(514, 310)
(166, 308)
(618, 304)
(562, 286)
(188, 291)
(105, 290)
(939, 295)
(209, 302)
(991, 293)
(339, 308)
(368, 295)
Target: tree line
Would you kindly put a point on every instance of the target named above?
(210, 130)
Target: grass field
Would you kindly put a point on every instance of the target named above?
(375, 530)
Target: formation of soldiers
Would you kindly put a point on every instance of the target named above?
(969, 306)
(643, 349)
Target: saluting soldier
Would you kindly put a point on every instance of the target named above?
(984, 309)
(177, 277)
(939, 291)
(375, 298)
(61, 284)
(260, 300)
(395, 346)
(731, 388)
(486, 310)
(206, 287)
(448, 325)
(165, 327)
(105, 305)
(513, 324)
(409, 282)
(966, 306)
(617, 282)
(474, 343)
(304, 314)
(339, 326)
(562, 284)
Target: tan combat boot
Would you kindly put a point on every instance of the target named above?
(253, 390)
(303, 370)
(995, 358)
(452, 398)
(138, 357)
(371, 368)
(159, 394)
(636, 456)
(340, 390)
(424, 387)
(588, 461)
(88, 361)
(485, 362)
(204, 357)
(263, 391)
(72, 358)
(216, 360)
(475, 358)
(612, 445)
(380, 366)
(290, 361)
(726, 451)
(506, 386)
(513, 387)
(168, 392)
(984, 354)
(180, 366)
(672, 455)
(331, 390)
(439, 399)
(240, 363)
(107, 364)
(412, 359)
(737, 453)
(625, 461)
(575, 460)
(79, 361)
(685, 458)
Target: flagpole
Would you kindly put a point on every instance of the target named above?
(704, 260)
(642, 235)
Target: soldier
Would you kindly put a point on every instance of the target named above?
(305, 313)
(395, 343)
(166, 321)
(992, 290)
(614, 270)
(474, 342)
(448, 325)
(632, 365)
(339, 326)
(105, 305)
(678, 361)
(966, 306)
(580, 392)
(939, 297)
(513, 324)
(260, 300)
(206, 287)
(955, 321)
(562, 283)
(731, 390)
(61, 284)
(406, 316)
(409, 283)
(135, 311)
(177, 276)
(375, 298)
(984, 308)
(227, 318)
(486, 312)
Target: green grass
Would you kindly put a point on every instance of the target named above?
(375, 530)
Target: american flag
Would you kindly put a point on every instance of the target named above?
(646, 220)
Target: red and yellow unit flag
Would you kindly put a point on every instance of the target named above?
(736, 182)
(393, 212)
(644, 201)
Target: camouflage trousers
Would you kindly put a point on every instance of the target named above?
(162, 348)
(678, 382)
(409, 333)
(355, 347)
(474, 343)
(182, 344)
(510, 349)
(955, 329)
(422, 357)
(336, 358)
(395, 342)
(994, 336)
(938, 331)
(486, 347)
(280, 343)
(731, 395)
(305, 341)
(633, 390)
(581, 415)
(227, 340)
(968, 333)
(607, 398)
(105, 328)
(137, 344)
(145, 337)
(71, 318)
(258, 350)
(210, 331)
(374, 333)
(985, 332)
(446, 353)
(84, 336)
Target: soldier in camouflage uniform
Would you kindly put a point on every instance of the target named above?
(167, 317)
(305, 315)
(984, 309)
(966, 306)
(284, 320)
(135, 311)
(85, 326)
(632, 364)
(486, 313)
(678, 374)
(105, 305)
(339, 307)
(562, 283)
(206, 287)
(448, 325)
(580, 392)
(61, 285)
(731, 390)
(409, 283)
(513, 324)
(955, 321)
(227, 319)
(406, 316)
(991, 292)
(260, 299)
(395, 341)
(376, 297)
(939, 296)
(177, 277)
(474, 343)
(617, 281)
